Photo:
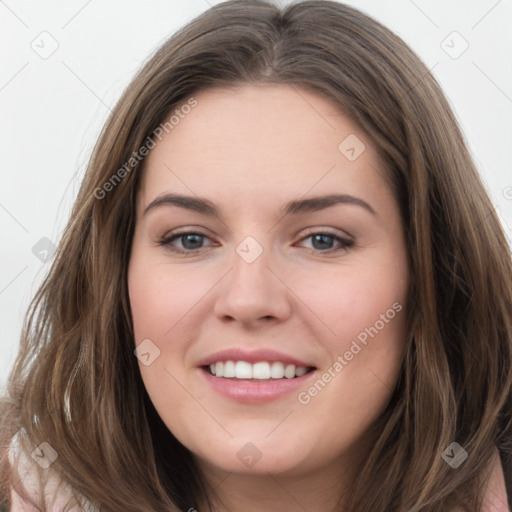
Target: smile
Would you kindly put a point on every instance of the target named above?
(256, 384)
(259, 371)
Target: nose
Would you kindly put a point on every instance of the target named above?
(253, 293)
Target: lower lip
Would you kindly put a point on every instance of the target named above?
(253, 391)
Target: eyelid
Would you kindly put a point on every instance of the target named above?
(328, 231)
(188, 230)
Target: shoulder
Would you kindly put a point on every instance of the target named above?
(38, 483)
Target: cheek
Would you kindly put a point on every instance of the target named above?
(363, 313)
(161, 304)
(353, 304)
(364, 357)
(159, 297)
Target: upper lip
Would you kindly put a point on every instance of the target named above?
(253, 356)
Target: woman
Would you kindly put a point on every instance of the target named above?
(259, 369)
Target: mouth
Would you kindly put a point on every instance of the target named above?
(263, 381)
(260, 371)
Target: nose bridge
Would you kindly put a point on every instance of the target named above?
(251, 264)
(252, 291)
(251, 276)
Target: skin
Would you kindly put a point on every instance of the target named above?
(250, 150)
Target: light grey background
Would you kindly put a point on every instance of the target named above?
(53, 106)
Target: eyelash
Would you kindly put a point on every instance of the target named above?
(167, 240)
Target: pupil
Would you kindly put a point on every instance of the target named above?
(187, 238)
(322, 238)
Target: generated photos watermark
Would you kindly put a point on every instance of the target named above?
(137, 156)
(342, 360)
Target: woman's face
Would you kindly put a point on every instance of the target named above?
(287, 256)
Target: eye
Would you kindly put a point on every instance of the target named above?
(322, 242)
(191, 242)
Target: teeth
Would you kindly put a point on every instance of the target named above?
(277, 370)
(259, 371)
(243, 370)
(300, 371)
(289, 371)
(229, 369)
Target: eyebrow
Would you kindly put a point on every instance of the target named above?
(296, 207)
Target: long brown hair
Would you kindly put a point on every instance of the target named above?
(76, 383)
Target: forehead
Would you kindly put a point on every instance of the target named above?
(263, 140)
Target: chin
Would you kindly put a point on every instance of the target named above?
(254, 457)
